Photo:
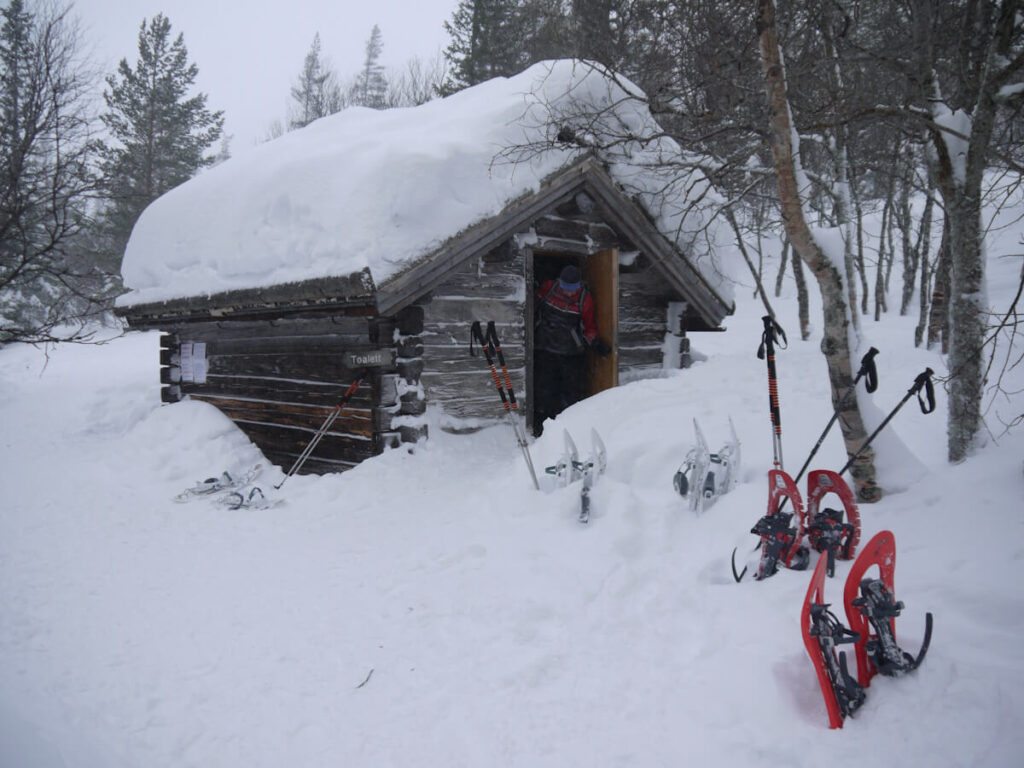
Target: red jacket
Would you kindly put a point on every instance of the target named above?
(567, 305)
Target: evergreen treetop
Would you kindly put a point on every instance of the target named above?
(162, 132)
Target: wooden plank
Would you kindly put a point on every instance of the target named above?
(639, 356)
(276, 390)
(447, 311)
(480, 285)
(312, 465)
(640, 337)
(350, 421)
(327, 325)
(602, 273)
(292, 441)
(335, 344)
(330, 368)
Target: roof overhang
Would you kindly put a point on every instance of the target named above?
(585, 175)
(357, 291)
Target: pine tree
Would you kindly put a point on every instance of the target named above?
(487, 41)
(372, 86)
(163, 133)
(317, 93)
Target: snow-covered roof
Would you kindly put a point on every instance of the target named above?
(376, 191)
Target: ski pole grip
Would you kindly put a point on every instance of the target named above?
(869, 371)
(925, 380)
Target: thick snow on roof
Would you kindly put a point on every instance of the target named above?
(378, 190)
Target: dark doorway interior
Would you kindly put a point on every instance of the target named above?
(558, 380)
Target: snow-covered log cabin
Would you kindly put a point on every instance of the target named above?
(373, 239)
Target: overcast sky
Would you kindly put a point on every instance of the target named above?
(249, 53)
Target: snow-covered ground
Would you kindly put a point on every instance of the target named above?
(431, 609)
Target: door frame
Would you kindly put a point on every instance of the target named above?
(601, 274)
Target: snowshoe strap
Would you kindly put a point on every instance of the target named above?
(777, 537)
(868, 370)
(831, 632)
(476, 334)
(877, 604)
(771, 336)
(925, 380)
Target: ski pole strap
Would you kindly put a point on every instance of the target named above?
(475, 334)
(925, 380)
(770, 337)
(868, 370)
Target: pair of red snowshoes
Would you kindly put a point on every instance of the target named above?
(871, 615)
(833, 532)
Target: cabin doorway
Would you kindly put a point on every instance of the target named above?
(555, 383)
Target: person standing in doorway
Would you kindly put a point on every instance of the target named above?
(564, 328)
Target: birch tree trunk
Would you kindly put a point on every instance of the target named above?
(835, 343)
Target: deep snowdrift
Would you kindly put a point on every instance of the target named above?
(432, 609)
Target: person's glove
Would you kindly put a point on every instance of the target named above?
(600, 348)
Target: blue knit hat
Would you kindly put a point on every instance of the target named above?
(569, 279)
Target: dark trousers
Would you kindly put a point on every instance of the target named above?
(557, 384)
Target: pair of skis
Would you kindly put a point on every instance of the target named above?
(704, 476)
(570, 468)
(871, 610)
(834, 533)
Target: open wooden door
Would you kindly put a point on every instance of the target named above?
(602, 278)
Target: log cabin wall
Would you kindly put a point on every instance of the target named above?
(494, 287)
(278, 380)
(645, 301)
(489, 287)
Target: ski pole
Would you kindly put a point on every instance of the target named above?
(490, 346)
(922, 380)
(771, 334)
(331, 418)
(868, 369)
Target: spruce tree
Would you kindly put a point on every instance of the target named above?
(317, 93)
(486, 42)
(162, 132)
(372, 86)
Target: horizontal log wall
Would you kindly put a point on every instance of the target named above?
(643, 313)
(279, 380)
(484, 289)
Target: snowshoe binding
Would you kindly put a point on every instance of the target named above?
(823, 633)
(212, 486)
(570, 468)
(704, 476)
(875, 608)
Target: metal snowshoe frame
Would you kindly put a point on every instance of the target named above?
(875, 607)
(781, 543)
(826, 531)
(708, 475)
(212, 486)
(570, 468)
(822, 634)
